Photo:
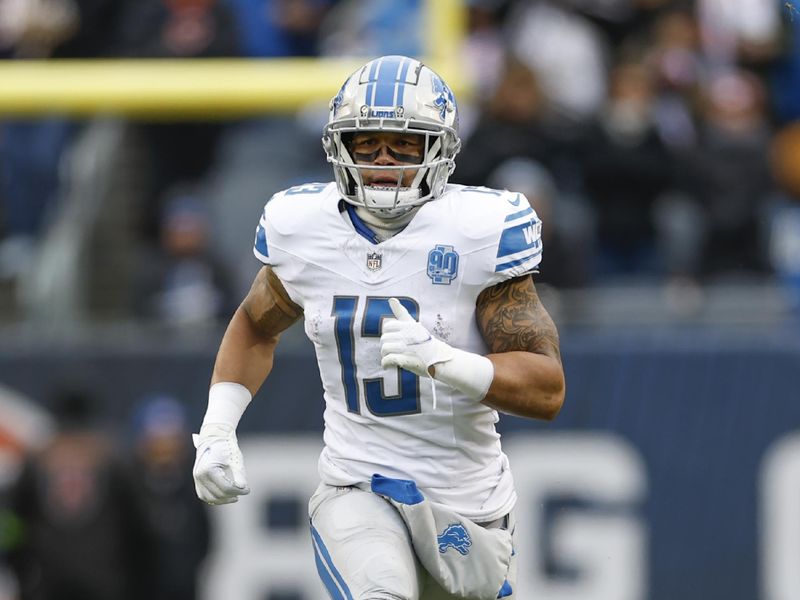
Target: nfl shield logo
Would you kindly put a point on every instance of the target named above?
(374, 261)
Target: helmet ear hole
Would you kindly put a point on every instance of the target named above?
(347, 141)
(352, 184)
(424, 188)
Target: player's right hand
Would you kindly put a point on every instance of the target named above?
(405, 343)
(219, 476)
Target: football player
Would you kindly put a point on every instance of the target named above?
(419, 300)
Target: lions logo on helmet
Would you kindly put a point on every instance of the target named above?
(394, 94)
(445, 101)
(336, 101)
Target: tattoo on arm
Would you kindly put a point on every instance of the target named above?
(511, 317)
(269, 306)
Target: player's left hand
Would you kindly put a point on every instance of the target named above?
(219, 476)
(405, 343)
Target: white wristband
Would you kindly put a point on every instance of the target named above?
(467, 372)
(227, 402)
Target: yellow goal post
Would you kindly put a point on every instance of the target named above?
(208, 88)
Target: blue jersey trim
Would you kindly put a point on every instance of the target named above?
(361, 228)
(261, 241)
(517, 215)
(403, 491)
(517, 239)
(506, 590)
(516, 263)
(326, 573)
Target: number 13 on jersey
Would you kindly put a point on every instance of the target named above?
(406, 401)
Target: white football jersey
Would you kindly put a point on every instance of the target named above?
(382, 420)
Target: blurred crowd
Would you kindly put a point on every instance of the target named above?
(91, 510)
(658, 139)
(647, 132)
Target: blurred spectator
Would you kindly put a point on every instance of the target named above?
(182, 283)
(567, 222)
(543, 92)
(176, 152)
(483, 52)
(627, 169)
(517, 121)
(785, 75)
(727, 174)
(58, 28)
(739, 31)
(568, 53)
(178, 29)
(785, 217)
(10, 536)
(24, 427)
(30, 150)
(276, 28)
(85, 535)
(162, 465)
(374, 28)
(676, 59)
(621, 19)
(485, 44)
(33, 28)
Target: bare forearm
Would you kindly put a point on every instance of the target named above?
(245, 355)
(526, 385)
(525, 351)
(248, 346)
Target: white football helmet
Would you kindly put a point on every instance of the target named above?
(393, 94)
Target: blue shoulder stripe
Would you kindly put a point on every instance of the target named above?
(517, 215)
(519, 261)
(261, 245)
(518, 239)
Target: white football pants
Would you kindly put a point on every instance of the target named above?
(363, 550)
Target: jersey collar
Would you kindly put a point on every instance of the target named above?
(361, 228)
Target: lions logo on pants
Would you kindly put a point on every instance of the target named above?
(454, 536)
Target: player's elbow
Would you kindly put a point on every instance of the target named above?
(552, 402)
(548, 397)
(527, 385)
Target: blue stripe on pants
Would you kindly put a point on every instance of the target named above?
(327, 580)
(324, 565)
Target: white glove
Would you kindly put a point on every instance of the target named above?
(405, 343)
(219, 476)
(408, 345)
